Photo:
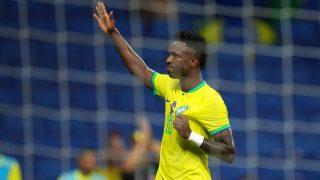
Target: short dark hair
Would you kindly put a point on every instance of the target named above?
(84, 152)
(195, 41)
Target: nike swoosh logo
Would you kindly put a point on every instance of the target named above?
(167, 100)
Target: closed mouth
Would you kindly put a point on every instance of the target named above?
(169, 67)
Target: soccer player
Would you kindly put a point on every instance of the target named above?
(9, 168)
(196, 118)
(128, 164)
(86, 170)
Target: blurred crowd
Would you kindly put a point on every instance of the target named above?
(138, 161)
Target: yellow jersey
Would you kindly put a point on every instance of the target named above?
(111, 173)
(9, 168)
(207, 114)
(76, 174)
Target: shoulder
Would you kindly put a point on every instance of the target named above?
(10, 161)
(67, 175)
(211, 94)
(211, 101)
(164, 79)
(98, 176)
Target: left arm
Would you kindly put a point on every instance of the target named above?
(140, 148)
(219, 145)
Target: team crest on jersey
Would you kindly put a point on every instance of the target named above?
(181, 109)
(172, 114)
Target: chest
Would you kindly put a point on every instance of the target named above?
(187, 104)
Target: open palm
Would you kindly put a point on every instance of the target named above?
(105, 20)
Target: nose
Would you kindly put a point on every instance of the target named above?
(169, 60)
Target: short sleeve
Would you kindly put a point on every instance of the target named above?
(215, 115)
(159, 83)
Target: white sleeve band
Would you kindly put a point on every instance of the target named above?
(196, 138)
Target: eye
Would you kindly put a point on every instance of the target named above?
(174, 55)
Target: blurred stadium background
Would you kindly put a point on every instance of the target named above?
(63, 85)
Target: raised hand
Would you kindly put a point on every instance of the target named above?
(145, 129)
(105, 20)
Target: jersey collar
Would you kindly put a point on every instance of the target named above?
(197, 87)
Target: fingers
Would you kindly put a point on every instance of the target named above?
(175, 123)
(111, 15)
(179, 121)
(98, 10)
(96, 17)
(103, 8)
(144, 125)
(181, 117)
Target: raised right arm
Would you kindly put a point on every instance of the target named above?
(134, 63)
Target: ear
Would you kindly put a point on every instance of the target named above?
(195, 62)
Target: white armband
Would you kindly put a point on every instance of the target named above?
(196, 138)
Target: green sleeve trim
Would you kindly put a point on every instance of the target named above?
(219, 129)
(155, 92)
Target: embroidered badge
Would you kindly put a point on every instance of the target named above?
(181, 109)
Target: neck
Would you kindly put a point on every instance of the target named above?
(85, 172)
(187, 83)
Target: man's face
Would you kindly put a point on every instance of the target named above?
(179, 60)
(87, 162)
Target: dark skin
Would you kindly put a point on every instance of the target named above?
(219, 145)
(87, 162)
(182, 64)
